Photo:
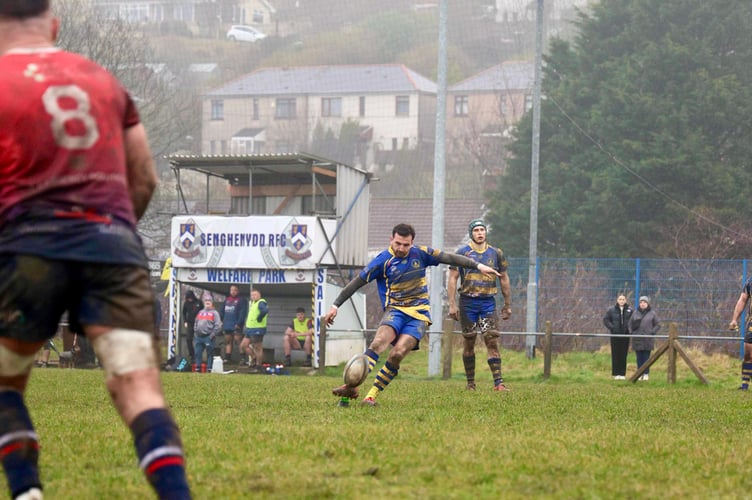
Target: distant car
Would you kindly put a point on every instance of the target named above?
(244, 34)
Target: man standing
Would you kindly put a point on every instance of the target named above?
(400, 274)
(741, 304)
(76, 173)
(299, 335)
(234, 312)
(255, 329)
(477, 311)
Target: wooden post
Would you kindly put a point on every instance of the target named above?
(322, 346)
(673, 332)
(547, 348)
(672, 346)
(446, 349)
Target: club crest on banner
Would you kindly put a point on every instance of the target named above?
(187, 245)
(299, 246)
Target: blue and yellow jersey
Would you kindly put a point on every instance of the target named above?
(475, 283)
(402, 281)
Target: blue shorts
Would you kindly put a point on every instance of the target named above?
(474, 308)
(255, 334)
(404, 324)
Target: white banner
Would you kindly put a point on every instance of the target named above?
(253, 242)
(244, 276)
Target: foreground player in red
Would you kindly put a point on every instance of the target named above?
(76, 173)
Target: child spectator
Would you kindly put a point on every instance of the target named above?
(207, 326)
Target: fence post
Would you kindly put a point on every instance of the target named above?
(322, 346)
(547, 351)
(673, 332)
(446, 349)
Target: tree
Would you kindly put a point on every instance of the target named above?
(645, 132)
(168, 108)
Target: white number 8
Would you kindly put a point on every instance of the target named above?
(60, 116)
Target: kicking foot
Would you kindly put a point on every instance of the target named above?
(501, 388)
(346, 391)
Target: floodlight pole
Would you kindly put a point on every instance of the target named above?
(532, 278)
(436, 284)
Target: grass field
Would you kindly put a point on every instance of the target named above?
(577, 435)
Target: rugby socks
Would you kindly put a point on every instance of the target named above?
(19, 444)
(383, 378)
(160, 453)
(469, 362)
(495, 365)
(373, 358)
(746, 374)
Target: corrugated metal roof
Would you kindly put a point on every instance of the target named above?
(369, 78)
(385, 213)
(512, 75)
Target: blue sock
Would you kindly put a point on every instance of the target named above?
(160, 453)
(19, 445)
(373, 358)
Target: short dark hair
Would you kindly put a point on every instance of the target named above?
(404, 230)
(21, 9)
(299, 310)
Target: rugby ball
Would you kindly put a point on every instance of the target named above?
(356, 370)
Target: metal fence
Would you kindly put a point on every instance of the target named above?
(698, 295)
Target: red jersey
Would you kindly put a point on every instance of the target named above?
(61, 145)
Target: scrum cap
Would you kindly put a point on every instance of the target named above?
(475, 223)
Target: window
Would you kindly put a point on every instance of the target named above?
(285, 147)
(258, 16)
(331, 106)
(460, 105)
(255, 109)
(223, 147)
(405, 143)
(285, 108)
(503, 105)
(213, 147)
(394, 143)
(217, 109)
(403, 105)
(362, 105)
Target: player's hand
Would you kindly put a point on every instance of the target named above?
(506, 312)
(488, 271)
(454, 312)
(733, 326)
(329, 317)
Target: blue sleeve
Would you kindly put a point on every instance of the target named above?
(263, 310)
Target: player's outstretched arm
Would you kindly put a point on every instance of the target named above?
(141, 172)
(461, 260)
(347, 292)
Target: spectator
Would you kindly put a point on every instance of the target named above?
(255, 329)
(299, 335)
(234, 312)
(643, 322)
(191, 307)
(617, 322)
(207, 326)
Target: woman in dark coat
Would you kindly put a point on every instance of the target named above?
(191, 307)
(643, 322)
(617, 322)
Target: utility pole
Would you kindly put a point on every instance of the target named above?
(439, 180)
(532, 278)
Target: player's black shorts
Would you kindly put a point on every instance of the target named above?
(35, 291)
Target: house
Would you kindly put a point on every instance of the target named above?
(513, 11)
(385, 213)
(482, 108)
(198, 16)
(281, 110)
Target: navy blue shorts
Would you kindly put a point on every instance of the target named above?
(35, 292)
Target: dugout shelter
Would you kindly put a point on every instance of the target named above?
(294, 226)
